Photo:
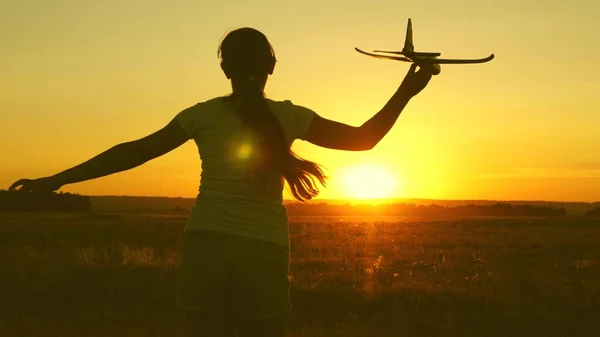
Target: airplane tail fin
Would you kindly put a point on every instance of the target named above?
(408, 42)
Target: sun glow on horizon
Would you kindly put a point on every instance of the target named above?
(370, 182)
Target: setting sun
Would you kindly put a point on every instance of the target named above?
(370, 182)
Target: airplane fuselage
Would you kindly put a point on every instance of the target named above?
(426, 54)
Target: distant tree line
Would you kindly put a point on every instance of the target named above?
(22, 201)
(498, 209)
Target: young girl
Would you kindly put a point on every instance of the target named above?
(234, 273)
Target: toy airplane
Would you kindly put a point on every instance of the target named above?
(421, 58)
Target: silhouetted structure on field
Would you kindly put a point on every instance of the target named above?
(499, 209)
(20, 201)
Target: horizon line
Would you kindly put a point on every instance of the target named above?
(370, 200)
(354, 200)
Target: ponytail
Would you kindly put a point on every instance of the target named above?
(300, 174)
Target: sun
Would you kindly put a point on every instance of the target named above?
(370, 182)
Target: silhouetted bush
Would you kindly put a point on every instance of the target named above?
(22, 201)
(593, 212)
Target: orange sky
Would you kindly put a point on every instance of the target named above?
(79, 77)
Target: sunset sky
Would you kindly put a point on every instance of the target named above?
(79, 77)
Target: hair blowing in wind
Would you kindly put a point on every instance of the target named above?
(247, 58)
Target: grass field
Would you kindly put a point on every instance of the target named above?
(115, 275)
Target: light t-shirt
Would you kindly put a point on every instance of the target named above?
(231, 198)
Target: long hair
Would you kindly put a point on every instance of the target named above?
(247, 58)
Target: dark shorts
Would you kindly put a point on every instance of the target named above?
(231, 274)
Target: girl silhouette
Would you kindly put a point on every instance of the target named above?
(233, 278)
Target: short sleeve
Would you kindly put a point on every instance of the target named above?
(187, 120)
(301, 118)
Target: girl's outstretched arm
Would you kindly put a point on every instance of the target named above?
(335, 135)
(119, 158)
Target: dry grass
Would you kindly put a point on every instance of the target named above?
(108, 275)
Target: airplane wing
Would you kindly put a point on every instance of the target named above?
(388, 52)
(387, 57)
(459, 61)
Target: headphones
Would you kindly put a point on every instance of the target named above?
(229, 71)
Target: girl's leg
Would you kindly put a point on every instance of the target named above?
(266, 327)
(211, 324)
(204, 286)
(261, 286)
